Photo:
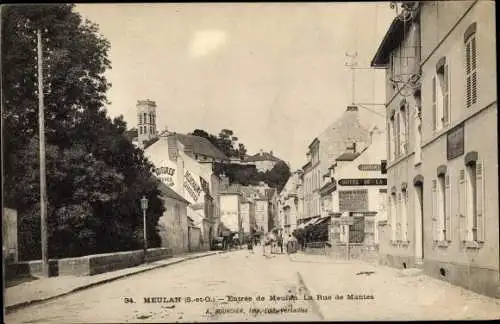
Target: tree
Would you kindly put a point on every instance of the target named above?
(95, 176)
(278, 176)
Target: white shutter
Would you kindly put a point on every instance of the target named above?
(435, 226)
(405, 218)
(473, 55)
(480, 219)
(448, 227)
(462, 205)
(468, 74)
(446, 97)
(434, 104)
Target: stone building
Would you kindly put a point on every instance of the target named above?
(289, 204)
(173, 225)
(263, 161)
(442, 169)
(323, 150)
(146, 121)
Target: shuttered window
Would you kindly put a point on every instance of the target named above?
(462, 206)
(434, 104)
(480, 219)
(470, 71)
(140, 119)
(404, 128)
(448, 209)
(446, 97)
(441, 212)
(404, 216)
(397, 135)
(435, 225)
(393, 217)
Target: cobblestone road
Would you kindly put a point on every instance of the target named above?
(397, 296)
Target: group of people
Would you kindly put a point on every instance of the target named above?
(277, 244)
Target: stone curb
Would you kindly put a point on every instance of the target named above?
(14, 307)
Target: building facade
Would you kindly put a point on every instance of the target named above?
(173, 224)
(322, 152)
(401, 237)
(445, 187)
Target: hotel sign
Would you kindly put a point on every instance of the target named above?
(455, 142)
(191, 186)
(363, 182)
(369, 167)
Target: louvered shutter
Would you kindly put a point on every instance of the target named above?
(397, 134)
(434, 105)
(405, 219)
(435, 226)
(446, 104)
(468, 80)
(461, 202)
(480, 219)
(473, 55)
(448, 211)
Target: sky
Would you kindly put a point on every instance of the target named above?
(274, 73)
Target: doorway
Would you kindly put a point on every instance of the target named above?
(419, 221)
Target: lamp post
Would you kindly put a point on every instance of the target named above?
(144, 207)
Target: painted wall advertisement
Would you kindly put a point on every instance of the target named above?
(192, 186)
(166, 173)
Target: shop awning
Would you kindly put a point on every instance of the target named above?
(311, 222)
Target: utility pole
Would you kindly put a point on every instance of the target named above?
(43, 182)
(352, 64)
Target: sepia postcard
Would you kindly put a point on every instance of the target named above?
(227, 162)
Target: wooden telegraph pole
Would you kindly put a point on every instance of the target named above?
(43, 182)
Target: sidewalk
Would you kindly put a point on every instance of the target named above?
(44, 289)
(397, 294)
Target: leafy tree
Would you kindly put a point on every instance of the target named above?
(94, 174)
(278, 175)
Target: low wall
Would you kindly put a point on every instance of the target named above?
(90, 264)
(351, 252)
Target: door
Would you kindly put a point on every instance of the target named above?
(419, 222)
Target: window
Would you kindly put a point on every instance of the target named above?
(404, 216)
(393, 215)
(145, 120)
(470, 66)
(440, 95)
(471, 205)
(397, 133)
(140, 119)
(392, 139)
(140, 130)
(434, 104)
(403, 135)
(418, 137)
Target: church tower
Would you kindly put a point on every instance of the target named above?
(146, 120)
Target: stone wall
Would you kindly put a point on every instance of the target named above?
(90, 264)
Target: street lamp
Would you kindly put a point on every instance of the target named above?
(144, 207)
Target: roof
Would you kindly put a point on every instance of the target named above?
(264, 156)
(169, 192)
(392, 39)
(131, 134)
(200, 145)
(348, 156)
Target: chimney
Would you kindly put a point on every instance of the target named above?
(261, 151)
(172, 147)
(271, 152)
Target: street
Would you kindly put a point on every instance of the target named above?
(226, 287)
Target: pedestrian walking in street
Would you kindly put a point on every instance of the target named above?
(250, 245)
